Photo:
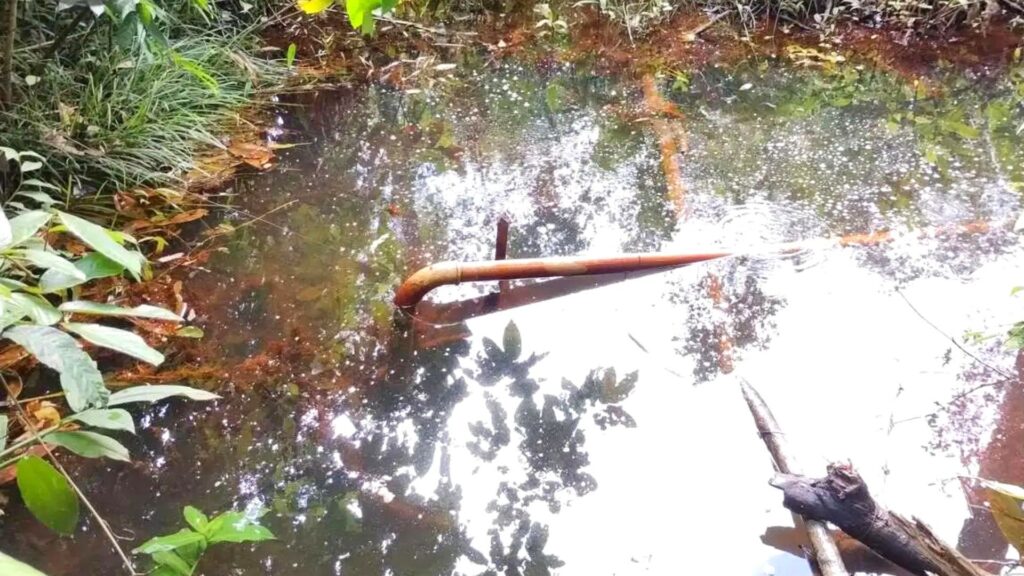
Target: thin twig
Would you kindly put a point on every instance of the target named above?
(951, 339)
(81, 495)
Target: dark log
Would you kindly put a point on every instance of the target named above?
(843, 499)
(825, 560)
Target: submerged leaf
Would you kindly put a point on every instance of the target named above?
(158, 392)
(79, 378)
(47, 495)
(90, 444)
(116, 339)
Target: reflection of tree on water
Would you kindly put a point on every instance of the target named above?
(745, 313)
(552, 446)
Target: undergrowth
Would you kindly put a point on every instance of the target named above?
(113, 104)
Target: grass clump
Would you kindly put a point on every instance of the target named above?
(114, 102)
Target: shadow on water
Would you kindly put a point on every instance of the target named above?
(566, 435)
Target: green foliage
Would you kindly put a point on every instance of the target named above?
(360, 12)
(30, 319)
(129, 97)
(179, 553)
(11, 567)
(47, 494)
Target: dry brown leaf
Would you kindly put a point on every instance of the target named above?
(1005, 504)
(255, 155)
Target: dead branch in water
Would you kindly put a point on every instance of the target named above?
(843, 499)
(826, 554)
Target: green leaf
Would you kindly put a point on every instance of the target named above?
(100, 309)
(94, 265)
(359, 11)
(314, 6)
(237, 527)
(98, 239)
(157, 393)
(289, 57)
(198, 72)
(196, 519)
(35, 307)
(6, 235)
(49, 261)
(180, 539)
(47, 494)
(189, 332)
(25, 226)
(79, 378)
(3, 432)
(116, 339)
(90, 444)
(108, 418)
(512, 342)
(11, 567)
(175, 563)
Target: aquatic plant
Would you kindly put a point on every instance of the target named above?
(179, 553)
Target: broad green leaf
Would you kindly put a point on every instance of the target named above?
(164, 570)
(25, 226)
(289, 57)
(90, 444)
(116, 339)
(359, 11)
(512, 341)
(93, 265)
(98, 239)
(49, 261)
(174, 563)
(180, 539)
(236, 527)
(101, 309)
(35, 307)
(108, 418)
(11, 567)
(3, 432)
(314, 6)
(156, 393)
(47, 494)
(79, 378)
(196, 519)
(6, 235)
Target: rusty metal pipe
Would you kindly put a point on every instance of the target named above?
(426, 279)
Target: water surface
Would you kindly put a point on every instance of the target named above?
(605, 432)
